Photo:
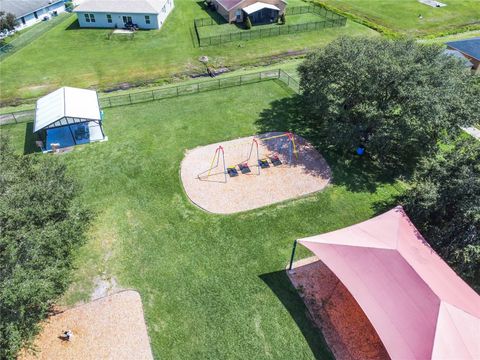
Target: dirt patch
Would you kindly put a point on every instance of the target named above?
(104, 287)
(216, 192)
(346, 328)
(109, 328)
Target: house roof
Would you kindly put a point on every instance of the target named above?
(122, 6)
(420, 308)
(470, 47)
(20, 8)
(66, 102)
(230, 4)
(259, 6)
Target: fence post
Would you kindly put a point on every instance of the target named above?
(110, 102)
(240, 79)
(130, 98)
(278, 74)
(14, 118)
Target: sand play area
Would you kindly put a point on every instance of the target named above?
(112, 327)
(302, 171)
(346, 328)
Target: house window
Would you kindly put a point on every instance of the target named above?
(109, 18)
(35, 14)
(147, 19)
(89, 18)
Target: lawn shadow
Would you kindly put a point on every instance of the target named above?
(74, 26)
(281, 286)
(212, 13)
(29, 146)
(356, 173)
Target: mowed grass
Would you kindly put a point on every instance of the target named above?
(403, 16)
(212, 286)
(69, 56)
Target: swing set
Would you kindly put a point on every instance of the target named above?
(244, 167)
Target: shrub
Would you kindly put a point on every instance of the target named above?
(248, 23)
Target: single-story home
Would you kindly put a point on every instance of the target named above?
(30, 12)
(260, 12)
(145, 14)
(470, 49)
(67, 117)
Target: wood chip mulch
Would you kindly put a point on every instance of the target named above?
(346, 328)
(108, 328)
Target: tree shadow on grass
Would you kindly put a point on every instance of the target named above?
(356, 173)
(29, 146)
(212, 13)
(281, 286)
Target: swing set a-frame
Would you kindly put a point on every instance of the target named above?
(244, 166)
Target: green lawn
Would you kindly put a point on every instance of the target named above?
(403, 15)
(214, 30)
(70, 56)
(212, 286)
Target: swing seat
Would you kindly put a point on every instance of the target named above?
(244, 168)
(232, 171)
(263, 163)
(275, 160)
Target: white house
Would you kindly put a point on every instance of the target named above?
(30, 12)
(146, 14)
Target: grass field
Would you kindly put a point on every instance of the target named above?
(214, 30)
(403, 16)
(70, 56)
(212, 286)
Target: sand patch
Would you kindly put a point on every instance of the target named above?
(109, 328)
(221, 194)
(346, 328)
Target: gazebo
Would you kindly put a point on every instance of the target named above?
(67, 117)
(420, 308)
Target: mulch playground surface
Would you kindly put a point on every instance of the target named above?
(212, 190)
(346, 328)
(112, 327)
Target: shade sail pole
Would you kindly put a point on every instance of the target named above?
(293, 255)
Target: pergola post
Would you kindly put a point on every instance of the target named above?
(293, 255)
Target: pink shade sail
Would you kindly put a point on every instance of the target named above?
(420, 308)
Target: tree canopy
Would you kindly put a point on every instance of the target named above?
(7, 21)
(396, 99)
(444, 203)
(42, 225)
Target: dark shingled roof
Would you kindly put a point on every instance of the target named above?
(228, 4)
(20, 8)
(470, 47)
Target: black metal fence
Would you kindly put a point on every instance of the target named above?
(171, 91)
(329, 19)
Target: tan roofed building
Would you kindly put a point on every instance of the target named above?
(260, 12)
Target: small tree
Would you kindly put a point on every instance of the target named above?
(7, 21)
(397, 99)
(68, 5)
(248, 23)
(283, 20)
(444, 203)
